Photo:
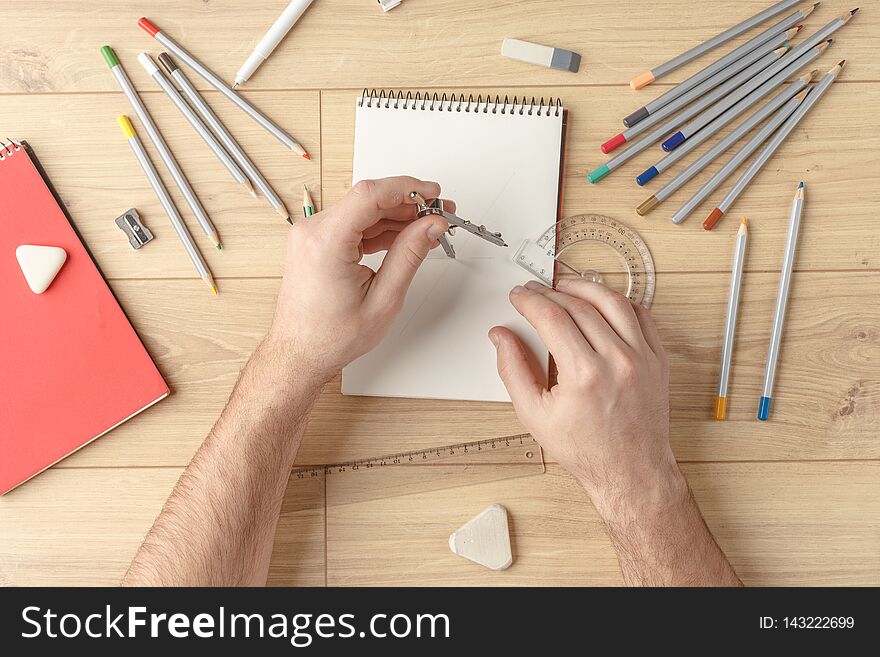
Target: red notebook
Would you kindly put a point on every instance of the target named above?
(71, 365)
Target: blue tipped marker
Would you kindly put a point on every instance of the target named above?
(673, 142)
(797, 209)
(647, 175)
(764, 409)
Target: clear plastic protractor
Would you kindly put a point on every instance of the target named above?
(594, 247)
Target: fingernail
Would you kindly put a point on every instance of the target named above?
(493, 338)
(535, 285)
(562, 283)
(519, 289)
(435, 230)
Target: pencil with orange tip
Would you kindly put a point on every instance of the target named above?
(666, 68)
(772, 145)
(736, 276)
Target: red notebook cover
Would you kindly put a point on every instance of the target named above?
(71, 365)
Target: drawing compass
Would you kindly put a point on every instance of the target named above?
(424, 208)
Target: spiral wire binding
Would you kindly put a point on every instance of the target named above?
(457, 103)
(7, 150)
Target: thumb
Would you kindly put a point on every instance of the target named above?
(405, 256)
(518, 371)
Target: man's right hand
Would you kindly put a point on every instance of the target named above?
(607, 418)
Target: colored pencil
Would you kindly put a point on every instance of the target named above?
(214, 80)
(198, 103)
(774, 143)
(697, 92)
(788, 25)
(165, 199)
(736, 276)
(658, 72)
(739, 157)
(688, 112)
(308, 204)
(159, 142)
(797, 210)
(757, 87)
(201, 129)
(670, 159)
(781, 106)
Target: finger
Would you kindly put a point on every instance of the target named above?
(555, 326)
(649, 330)
(407, 212)
(405, 255)
(595, 329)
(367, 200)
(614, 307)
(518, 369)
(381, 242)
(382, 226)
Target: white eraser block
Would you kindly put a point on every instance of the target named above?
(148, 63)
(40, 264)
(485, 539)
(535, 53)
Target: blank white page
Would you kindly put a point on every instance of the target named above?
(502, 170)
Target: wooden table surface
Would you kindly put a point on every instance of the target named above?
(792, 501)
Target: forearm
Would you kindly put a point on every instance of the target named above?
(661, 538)
(218, 526)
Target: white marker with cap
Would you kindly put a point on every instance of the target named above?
(271, 39)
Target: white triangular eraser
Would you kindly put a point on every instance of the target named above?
(485, 539)
(40, 264)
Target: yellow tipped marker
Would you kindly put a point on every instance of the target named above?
(165, 199)
(736, 275)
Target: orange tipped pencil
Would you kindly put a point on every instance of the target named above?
(736, 275)
(648, 77)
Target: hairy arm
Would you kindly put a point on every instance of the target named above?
(218, 526)
(606, 420)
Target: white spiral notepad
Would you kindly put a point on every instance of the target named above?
(500, 161)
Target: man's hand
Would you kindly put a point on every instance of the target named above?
(607, 422)
(332, 309)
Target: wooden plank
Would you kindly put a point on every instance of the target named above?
(348, 43)
(833, 150)
(780, 525)
(825, 402)
(91, 164)
(79, 527)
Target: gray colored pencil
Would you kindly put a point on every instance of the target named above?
(165, 199)
(235, 150)
(739, 157)
(696, 93)
(754, 89)
(160, 144)
(797, 209)
(201, 129)
(669, 160)
(774, 143)
(688, 112)
(786, 25)
(736, 276)
(658, 72)
(215, 81)
(782, 105)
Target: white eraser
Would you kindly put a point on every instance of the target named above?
(148, 63)
(40, 264)
(535, 53)
(485, 539)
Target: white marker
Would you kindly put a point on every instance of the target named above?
(271, 39)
